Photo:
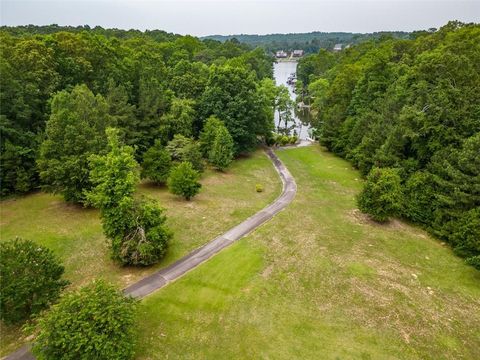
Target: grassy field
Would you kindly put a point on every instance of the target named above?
(320, 281)
(75, 233)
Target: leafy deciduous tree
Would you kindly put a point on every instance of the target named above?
(183, 180)
(31, 278)
(75, 130)
(95, 322)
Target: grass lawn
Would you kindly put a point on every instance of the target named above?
(320, 281)
(75, 233)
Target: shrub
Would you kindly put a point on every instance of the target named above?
(382, 194)
(145, 240)
(284, 140)
(30, 276)
(221, 153)
(293, 139)
(270, 139)
(95, 322)
(465, 233)
(183, 181)
(419, 198)
(474, 261)
(157, 163)
(259, 188)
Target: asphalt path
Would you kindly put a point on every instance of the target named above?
(162, 277)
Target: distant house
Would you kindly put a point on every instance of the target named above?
(297, 53)
(337, 47)
(281, 54)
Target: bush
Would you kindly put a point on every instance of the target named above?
(259, 188)
(221, 153)
(293, 139)
(157, 163)
(465, 233)
(284, 140)
(95, 322)
(270, 139)
(183, 181)
(419, 198)
(30, 276)
(146, 238)
(474, 261)
(381, 196)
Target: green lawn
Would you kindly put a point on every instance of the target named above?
(320, 281)
(75, 233)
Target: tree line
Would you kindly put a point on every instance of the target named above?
(406, 113)
(310, 42)
(62, 89)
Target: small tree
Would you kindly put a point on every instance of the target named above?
(183, 181)
(95, 322)
(145, 240)
(221, 153)
(381, 196)
(207, 136)
(136, 228)
(157, 163)
(183, 149)
(30, 275)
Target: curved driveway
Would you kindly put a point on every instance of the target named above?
(164, 276)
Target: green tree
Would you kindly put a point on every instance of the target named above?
(179, 120)
(184, 181)
(75, 130)
(94, 322)
(221, 153)
(183, 149)
(381, 196)
(156, 164)
(136, 228)
(122, 113)
(232, 95)
(208, 133)
(189, 79)
(17, 158)
(31, 278)
(284, 106)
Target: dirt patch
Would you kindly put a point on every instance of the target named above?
(266, 273)
(357, 217)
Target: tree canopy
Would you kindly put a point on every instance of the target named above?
(412, 105)
(59, 81)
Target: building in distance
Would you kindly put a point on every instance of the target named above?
(297, 53)
(281, 54)
(337, 47)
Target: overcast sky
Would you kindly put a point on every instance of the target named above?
(200, 17)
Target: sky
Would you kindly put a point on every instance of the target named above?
(201, 17)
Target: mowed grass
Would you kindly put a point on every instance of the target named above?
(75, 233)
(320, 281)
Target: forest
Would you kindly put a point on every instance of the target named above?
(63, 86)
(406, 113)
(309, 42)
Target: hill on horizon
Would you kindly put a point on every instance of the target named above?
(310, 42)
